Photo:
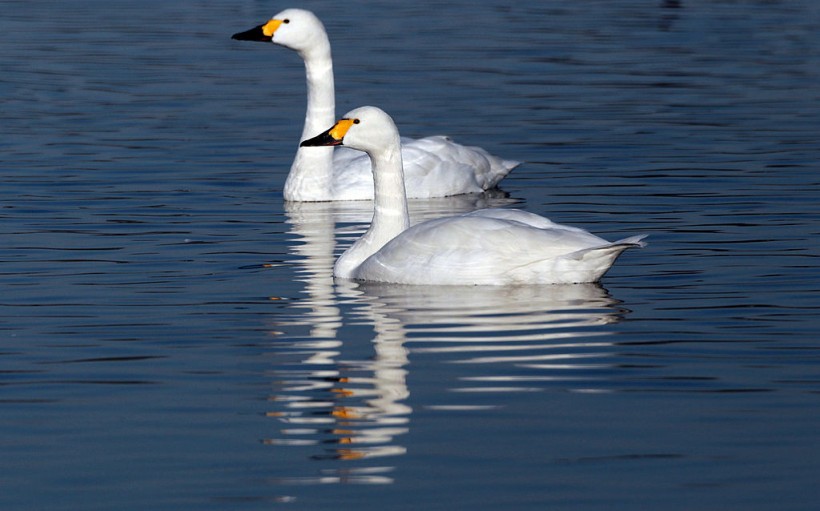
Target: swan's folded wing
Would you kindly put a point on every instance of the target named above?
(470, 249)
(433, 167)
(438, 165)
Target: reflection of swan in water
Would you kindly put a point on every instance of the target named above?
(509, 339)
(356, 407)
(309, 219)
(543, 330)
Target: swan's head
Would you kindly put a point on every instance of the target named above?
(367, 129)
(296, 29)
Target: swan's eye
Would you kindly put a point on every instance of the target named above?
(285, 20)
(355, 121)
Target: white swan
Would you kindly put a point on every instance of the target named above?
(488, 246)
(434, 166)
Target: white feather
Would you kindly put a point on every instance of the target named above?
(487, 247)
(434, 166)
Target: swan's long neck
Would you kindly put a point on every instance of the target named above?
(390, 216)
(310, 177)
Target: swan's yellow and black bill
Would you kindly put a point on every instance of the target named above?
(263, 33)
(333, 136)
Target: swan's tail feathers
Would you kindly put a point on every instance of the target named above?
(594, 262)
(499, 168)
(609, 251)
(632, 241)
(601, 258)
(585, 265)
(510, 164)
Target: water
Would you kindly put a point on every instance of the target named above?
(170, 336)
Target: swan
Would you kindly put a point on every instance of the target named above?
(434, 166)
(484, 247)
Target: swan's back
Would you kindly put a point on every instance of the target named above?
(433, 167)
(487, 169)
(493, 247)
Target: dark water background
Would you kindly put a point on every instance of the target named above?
(170, 337)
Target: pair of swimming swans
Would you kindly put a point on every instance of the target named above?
(485, 247)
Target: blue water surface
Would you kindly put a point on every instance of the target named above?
(171, 336)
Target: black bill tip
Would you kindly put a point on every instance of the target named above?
(321, 140)
(254, 34)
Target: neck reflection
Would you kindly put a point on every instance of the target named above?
(342, 399)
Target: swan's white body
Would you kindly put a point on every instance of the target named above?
(434, 166)
(487, 247)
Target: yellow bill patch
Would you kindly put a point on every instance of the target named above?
(270, 27)
(339, 131)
